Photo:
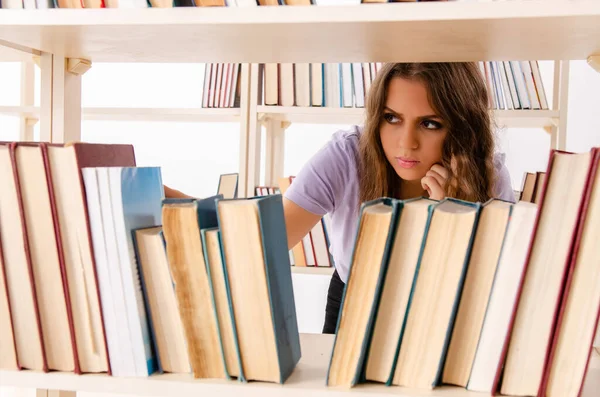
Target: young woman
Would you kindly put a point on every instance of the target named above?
(428, 132)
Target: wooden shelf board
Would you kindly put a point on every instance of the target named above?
(10, 54)
(324, 115)
(163, 114)
(308, 378)
(321, 271)
(140, 114)
(411, 32)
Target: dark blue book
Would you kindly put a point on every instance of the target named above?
(257, 262)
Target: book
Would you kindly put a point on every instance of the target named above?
(183, 220)
(166, 325)
(388, 327)
(485, 253)
(8, 349)
(46, 255)
(219, 285)
(535, 316)
(22, 296)
(358, 309)
(503, 297)
(257, 263)
(436, 294)
(567, 364)
(66, 163)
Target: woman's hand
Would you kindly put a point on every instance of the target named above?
(434, 180)
(172, 193)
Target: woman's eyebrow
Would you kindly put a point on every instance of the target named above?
(428, 116)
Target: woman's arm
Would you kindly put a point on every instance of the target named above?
(298, 221)
(172, 193)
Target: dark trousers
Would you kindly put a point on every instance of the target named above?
(334, 300)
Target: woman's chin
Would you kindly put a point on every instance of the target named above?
(411, 174)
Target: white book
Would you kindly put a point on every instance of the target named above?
(320, 245)
(520, 83)
(12, 4)
(29, 4)
(539, 84)
(116, 351)
(346, 72)
(505, 88)
(497, 86)
(367, 78)
(527, 73)
(503, 298)
(126, 354)
(316, 84)
(206, 87)
(134, 298)
(332, 85)
(302, 84)
(286, 84)
(359, 85)
(511, 85)
(308, 251)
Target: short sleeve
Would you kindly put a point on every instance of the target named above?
(320, 185)
(503, 187)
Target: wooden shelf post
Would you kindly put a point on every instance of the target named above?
(560, 102)
(60, 111)
(274, 157)
(27, 99)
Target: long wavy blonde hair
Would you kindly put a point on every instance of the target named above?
(457, 93)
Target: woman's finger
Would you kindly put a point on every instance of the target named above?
(440, 170)
(440, 179)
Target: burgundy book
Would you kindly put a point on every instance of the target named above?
(70, 202)
(499, 371)
(567, 289)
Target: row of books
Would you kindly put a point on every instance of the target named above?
(495, 297)
(532, 187)
(43, 4)
(221, 85)
(100, 273)
(313, 250)
(510, 84)
(317, 84)
(514, 85)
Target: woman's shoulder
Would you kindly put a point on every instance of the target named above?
(346, 140)
(503, 186)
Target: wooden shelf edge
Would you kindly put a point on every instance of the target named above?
(139, 114)
(325, 115)
(321, 271)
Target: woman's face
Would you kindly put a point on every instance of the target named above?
(412, 135)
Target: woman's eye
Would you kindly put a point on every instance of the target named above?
(431, 125)
(390, 118)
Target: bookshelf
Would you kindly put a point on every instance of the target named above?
(308, 379)
(558, 30)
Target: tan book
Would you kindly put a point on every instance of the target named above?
(485, 255)
(360, 300)
(397, 286)
(436, 294)
(185, 254)
(213, 253)
(8, 352)
(160, 295)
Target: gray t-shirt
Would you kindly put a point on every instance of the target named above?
(328, 184)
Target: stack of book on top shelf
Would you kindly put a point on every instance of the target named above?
(221, 85)
(493, 297)
(101, 274)
(510, 84)
(316, 84)
(514, 85)
(313, 250)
